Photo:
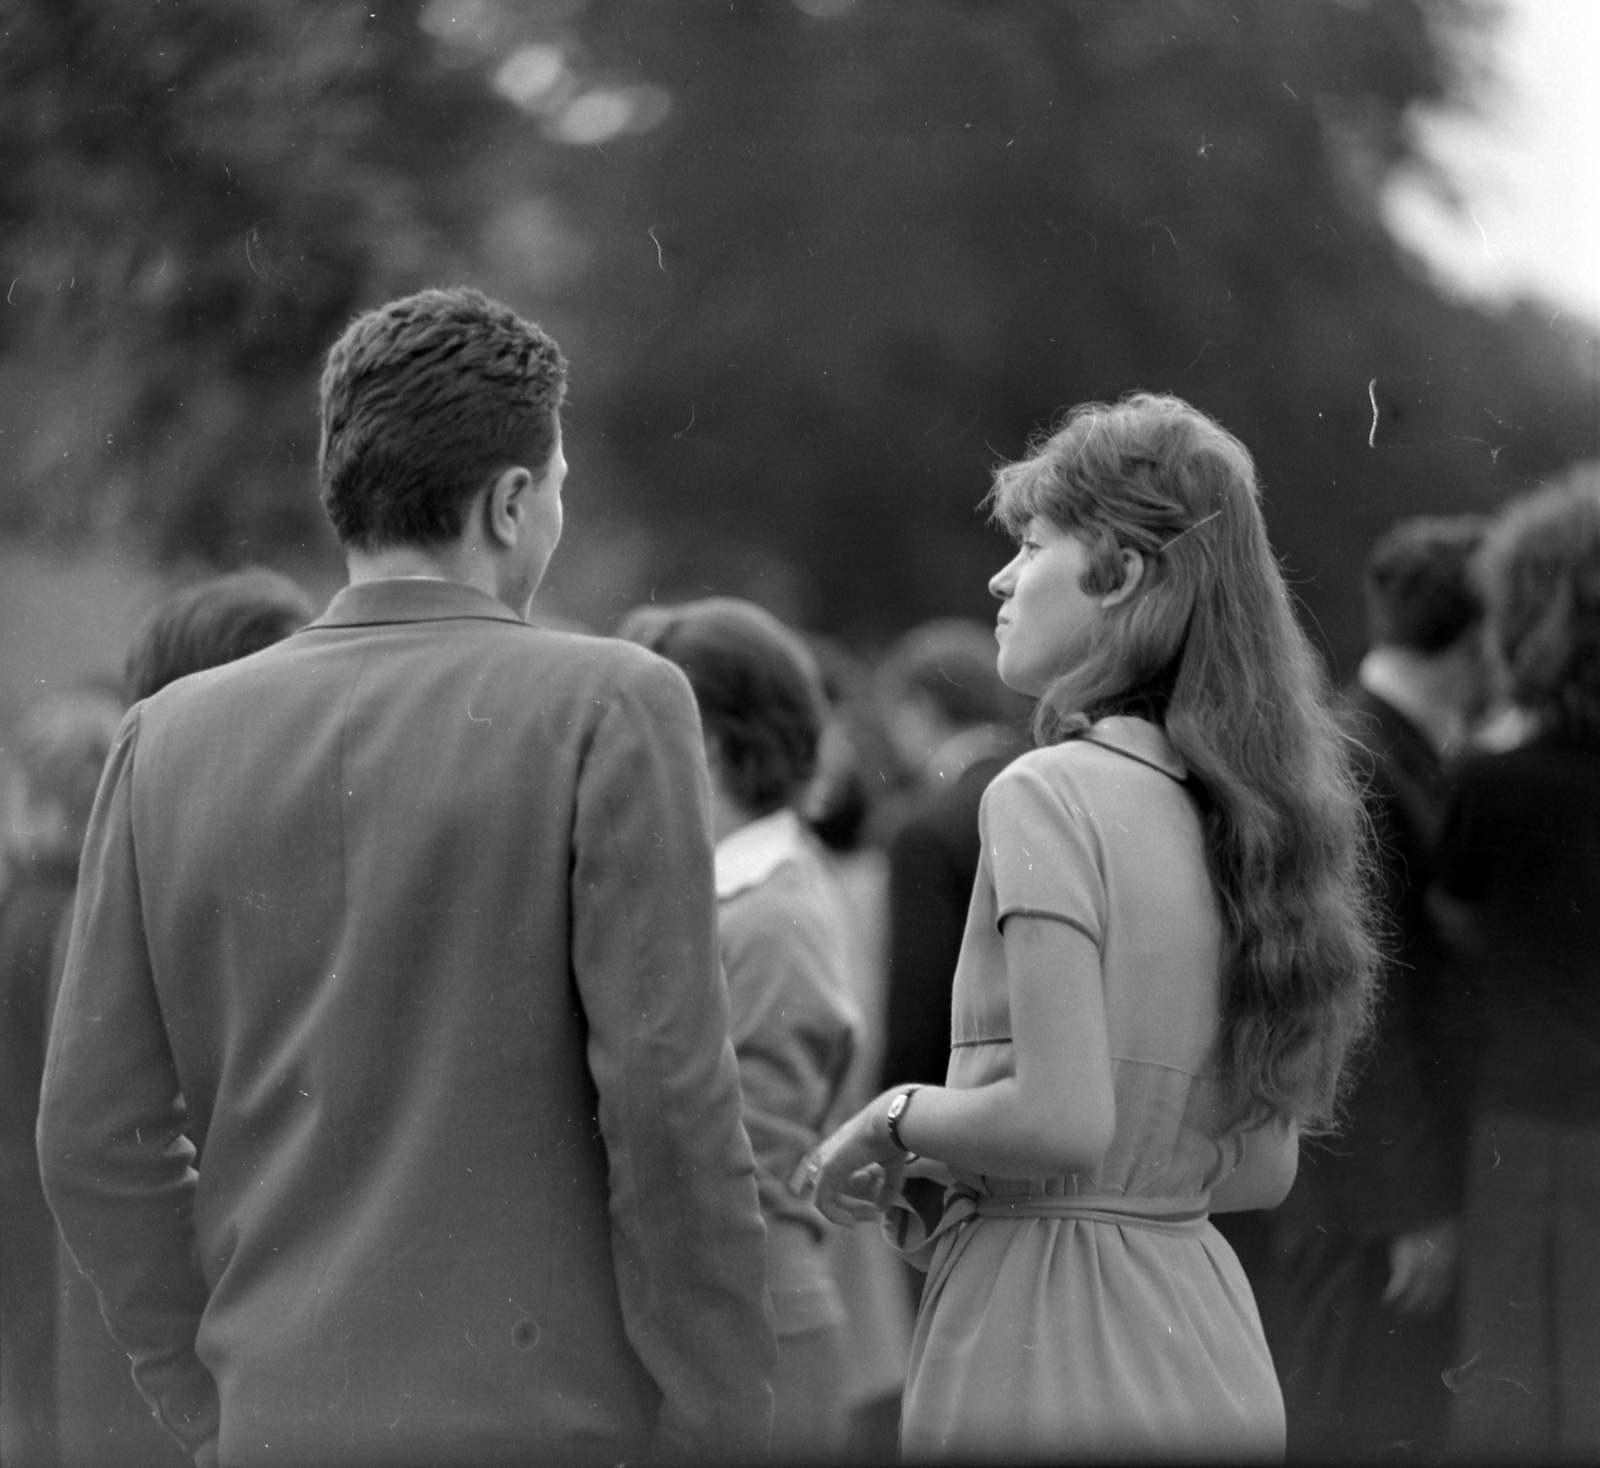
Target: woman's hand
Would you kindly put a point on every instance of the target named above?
(852, 1175)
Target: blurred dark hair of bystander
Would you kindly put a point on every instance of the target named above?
(760, 694)
(425, 399)
(951, 662)
(210, 623)
(1420, 590)
(1540, 569)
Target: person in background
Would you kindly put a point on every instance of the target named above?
(957, 725)
(1518, 888)
(783, 931)
(202, 625)
(1166, 960)
(1360, 1273)
(389, 1102)
(838, 807)
(212, 622)
(58, 748)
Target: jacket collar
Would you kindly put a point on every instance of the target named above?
(1141, 740)
(749, 856)
(411, 599)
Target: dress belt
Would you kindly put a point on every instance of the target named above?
(1185, 1217)
(1166, 1215)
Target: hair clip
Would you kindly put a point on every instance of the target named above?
(1179, 536)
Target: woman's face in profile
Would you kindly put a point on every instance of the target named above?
(1046, 617)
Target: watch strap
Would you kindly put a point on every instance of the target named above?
(897, 1110)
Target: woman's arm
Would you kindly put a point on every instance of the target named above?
(1265, 1172)
(1056, 1114)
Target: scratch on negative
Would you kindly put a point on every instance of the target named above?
(660, 255)
(1372, 397)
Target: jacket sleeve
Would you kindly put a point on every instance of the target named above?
(687, 1234)
(117, 1169)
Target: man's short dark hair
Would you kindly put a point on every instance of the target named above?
(423, 401)
(1420, 588)
(210, 623)
(758, 688)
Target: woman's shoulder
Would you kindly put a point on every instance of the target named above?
(1079, 767)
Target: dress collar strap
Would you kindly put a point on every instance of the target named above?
(1138, 739)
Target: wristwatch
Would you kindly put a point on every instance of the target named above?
(897, 1109)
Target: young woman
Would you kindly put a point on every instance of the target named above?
(784, 932)
(1166, 960)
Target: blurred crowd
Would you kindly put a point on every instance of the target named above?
(1429, 1289)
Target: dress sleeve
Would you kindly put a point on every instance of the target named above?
(687, 1235)
(115, 1164)
(1043, 851)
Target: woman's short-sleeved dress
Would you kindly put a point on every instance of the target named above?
(1097, 1314)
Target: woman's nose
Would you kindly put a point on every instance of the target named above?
(1000, 582)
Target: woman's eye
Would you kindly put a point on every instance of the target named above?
(1030, 545)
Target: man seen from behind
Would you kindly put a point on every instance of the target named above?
(389, 1102)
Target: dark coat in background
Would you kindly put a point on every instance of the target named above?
(407, 922)
(933, 861)
(1521, 854)
(35, 903)
(1358, 1377)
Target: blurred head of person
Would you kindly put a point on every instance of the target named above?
(838, 801)
(938, 685)
(1144, 584)
(1425, 622)
(59, 747)
(441, 443)
(760, 697)
(212, 622)
(1540, 570)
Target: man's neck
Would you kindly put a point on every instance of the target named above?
(427, 563)
(1417, 687)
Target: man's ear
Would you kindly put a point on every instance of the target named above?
(506, 505)
(1132, 579)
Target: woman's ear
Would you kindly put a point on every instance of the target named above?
(1132, 579)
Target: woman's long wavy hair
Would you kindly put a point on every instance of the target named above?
(1208, 645)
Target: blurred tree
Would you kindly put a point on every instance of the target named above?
(880, 244)
(193, 198)
(819, 264)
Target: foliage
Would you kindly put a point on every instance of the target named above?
(193, 198)
(854, 255)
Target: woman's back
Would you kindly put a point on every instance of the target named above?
(1103, 834)
(1138, 1330)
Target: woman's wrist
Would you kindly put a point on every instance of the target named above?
(894, 1117)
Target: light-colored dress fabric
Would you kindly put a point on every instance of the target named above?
(1098, 1314)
